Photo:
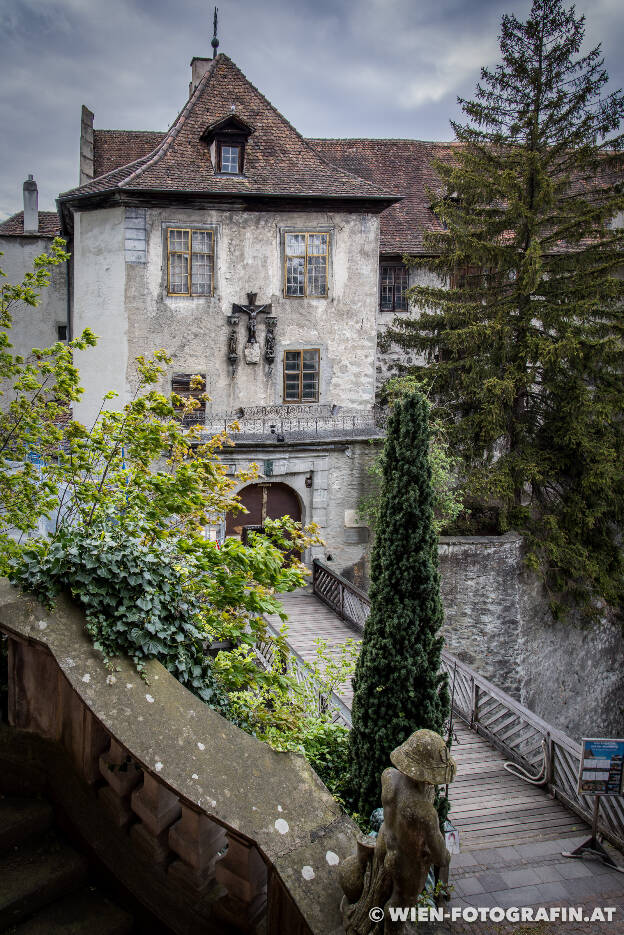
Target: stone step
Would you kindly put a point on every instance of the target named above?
(21, 819)
(34, 874)
(84, 913)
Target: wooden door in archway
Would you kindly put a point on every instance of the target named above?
(264, 501)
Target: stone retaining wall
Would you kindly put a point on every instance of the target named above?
(570, 673)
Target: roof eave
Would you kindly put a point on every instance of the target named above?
(66, 198)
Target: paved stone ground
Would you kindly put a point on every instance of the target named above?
(526, 867)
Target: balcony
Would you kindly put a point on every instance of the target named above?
(272, 425)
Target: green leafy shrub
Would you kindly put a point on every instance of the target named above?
(326, 747)
(134, 598)
(447, 500)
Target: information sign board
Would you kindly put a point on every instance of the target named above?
(602, 767)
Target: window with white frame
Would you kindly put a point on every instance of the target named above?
(306, 257)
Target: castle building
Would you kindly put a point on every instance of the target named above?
(264, 262)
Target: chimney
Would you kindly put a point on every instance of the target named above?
(86, 146)
(199, 67)
(31, 206)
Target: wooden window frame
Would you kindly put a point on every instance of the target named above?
(197, 416)
(317, 372)
(189, 262)
(405, 270)
(287, 255)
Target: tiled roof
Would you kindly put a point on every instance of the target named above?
(49, 225)
(278, 161)
(405, 166)
(115, 148)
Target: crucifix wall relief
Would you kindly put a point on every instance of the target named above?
(252, 348)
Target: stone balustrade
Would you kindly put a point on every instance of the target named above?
(209, 828)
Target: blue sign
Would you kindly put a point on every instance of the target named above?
(602, 767)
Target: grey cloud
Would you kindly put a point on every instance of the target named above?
(333, 67)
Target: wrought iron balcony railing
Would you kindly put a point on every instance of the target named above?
(280, 424)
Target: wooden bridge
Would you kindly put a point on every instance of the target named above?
(512, 832)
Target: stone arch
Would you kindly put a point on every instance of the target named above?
(264, 500)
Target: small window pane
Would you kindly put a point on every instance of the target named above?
(178, 273)
(202, 241)
(295, 244)
(295, 276)
(229, 159)
(179, 240)
(201, 274)
(309, 390)
(317, 275)
(317, 244)
(310, 360)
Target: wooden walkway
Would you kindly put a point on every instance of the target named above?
(490, 807)
(511, 833)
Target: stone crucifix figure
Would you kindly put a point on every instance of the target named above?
(252, 348)
(253, 311)
(391, 870)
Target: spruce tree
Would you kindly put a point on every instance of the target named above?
(522, 341)
(398, 687)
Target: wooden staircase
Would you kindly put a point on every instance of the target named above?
(45, 887)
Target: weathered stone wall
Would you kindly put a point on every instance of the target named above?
(249, 257)
(339, 475)
(33, 326)
(570, 672)
(388, 360)
(479, 583)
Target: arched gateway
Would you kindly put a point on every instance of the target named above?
(264, 501)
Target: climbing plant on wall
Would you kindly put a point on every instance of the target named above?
(398, 687)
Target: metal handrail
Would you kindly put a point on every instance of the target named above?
(522, 736)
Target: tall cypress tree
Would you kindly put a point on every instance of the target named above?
(398, 687)
(523, 338)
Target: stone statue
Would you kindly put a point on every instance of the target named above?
(252, 310)
(232, 345)
(392, 869)
(269, 341)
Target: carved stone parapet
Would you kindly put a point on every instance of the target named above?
(157, 808)
(243, 873)
(154, 846)
(155, 805)
(119, 769)
(29, 667)
(198, 841)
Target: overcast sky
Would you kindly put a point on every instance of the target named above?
(378, 68)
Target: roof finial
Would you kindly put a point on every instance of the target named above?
(215, 41)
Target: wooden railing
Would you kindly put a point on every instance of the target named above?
(523, 737)
(347, 600)
(323, 702)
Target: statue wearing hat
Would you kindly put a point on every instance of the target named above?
(392, 870)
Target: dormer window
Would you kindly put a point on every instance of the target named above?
(227, 139)
(230, 158)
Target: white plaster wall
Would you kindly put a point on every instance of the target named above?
(99, 304)
(195, 332)
(33, 326)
